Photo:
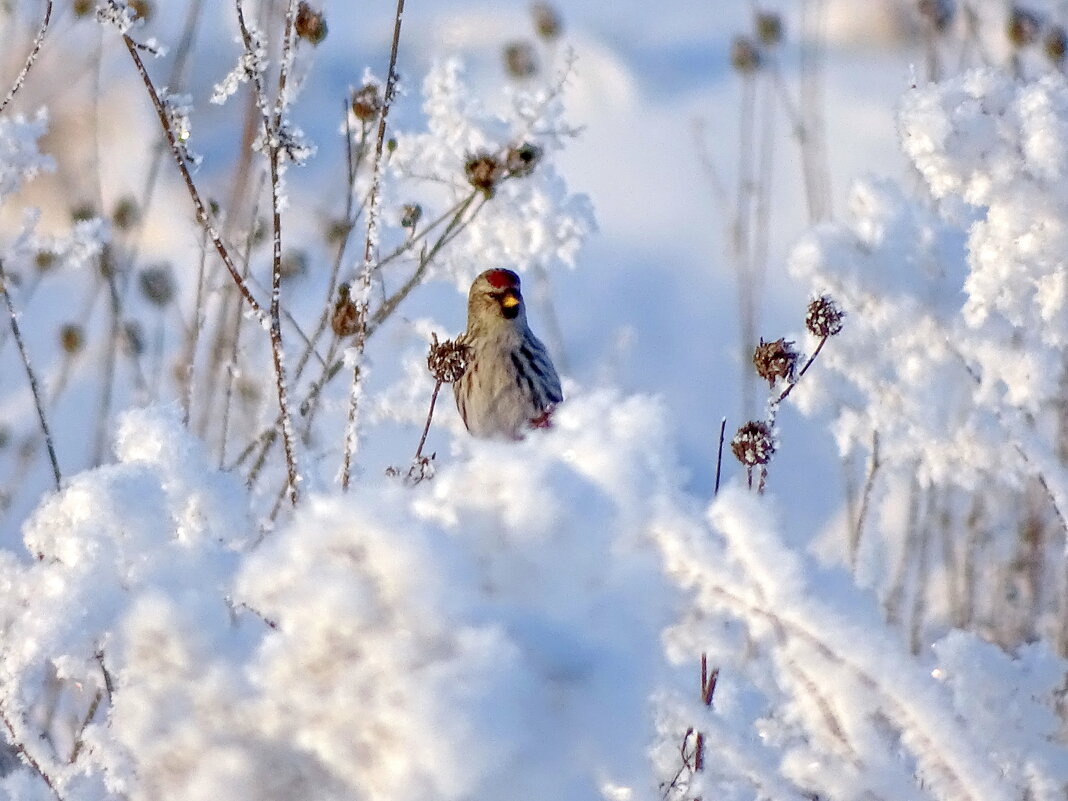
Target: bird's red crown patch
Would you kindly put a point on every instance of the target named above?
(502, 279)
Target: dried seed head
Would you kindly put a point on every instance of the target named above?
(745, 55)
(366, 102)
(938, 13)
(294, 264)
(391, 144)
(44, 260)
(775, 360)
(82, 212)
(157, 284)
(520, 161)
(753, 444)
(336, 230)
(133, 337)
(72, 339)
(1023, 27)
(520, 60)
(1055, 44)
(483, 172)
(346, 318)
(142, 9)
(447, 360)
(824, 318)
(411, 213)
(768, 28)
(83, 8)
(248, 389)
(126, 213)
(547, 22)
(310, 24)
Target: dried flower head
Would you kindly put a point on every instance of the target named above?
(768, 27)
(133, 338)
(824, 318)
(337, 230)
(83, 8)
(157, 284)
(521, 160)
(447, 360)
(142, 9)
(82, 212)
(937, 13)
(71, 338)
(775, 360)
(1023, 27)
(745, 55)
(483, 171)
(294, 264)
(1055, 44)
(126, 213)
(753, 444)
(310, 25)
(346, 318)
(366, 102)
(547, 22)
(520, 60)
(411, 213)
(45, 260)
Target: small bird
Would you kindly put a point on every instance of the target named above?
(510, 383)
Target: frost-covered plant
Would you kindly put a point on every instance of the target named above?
(952, 370)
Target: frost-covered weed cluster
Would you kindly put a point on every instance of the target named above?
(532, 621)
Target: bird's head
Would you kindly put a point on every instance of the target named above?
(495, 295)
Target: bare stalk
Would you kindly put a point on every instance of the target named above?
(31, 377)
(26, 756)
(31, 58)
(368, 252)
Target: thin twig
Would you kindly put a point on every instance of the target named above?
(25, 755)
(363, 295)
(31, 58)
(719, 453)
(17, 334)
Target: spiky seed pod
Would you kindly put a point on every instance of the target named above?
(126, 213)
(310, 25)
(1055, 44)
(1023, 27)
(547, 22)
(157, 284)
(447, 360)
(366, 102)
(824, 318)
(346, 318)
(483, 171)
(71, 339)
(411, 213)
(768, 27)
(753, 444)
(938, 13)
(745, 55)
(775, 360)
(520, 60)
(521, 160)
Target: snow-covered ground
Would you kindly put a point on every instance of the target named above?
(572, 616)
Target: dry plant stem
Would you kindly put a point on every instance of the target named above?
(204, 219)
(38, 40)
(429, 417)
(31, 377)
(719, 454)
(865, 503)
(193, 337)
(79, 742)
(368, 252)
(26, 756)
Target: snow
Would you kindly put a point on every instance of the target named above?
(883, 613)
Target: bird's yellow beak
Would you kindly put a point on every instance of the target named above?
(510, 301)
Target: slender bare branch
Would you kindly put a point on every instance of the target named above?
(31, 58)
